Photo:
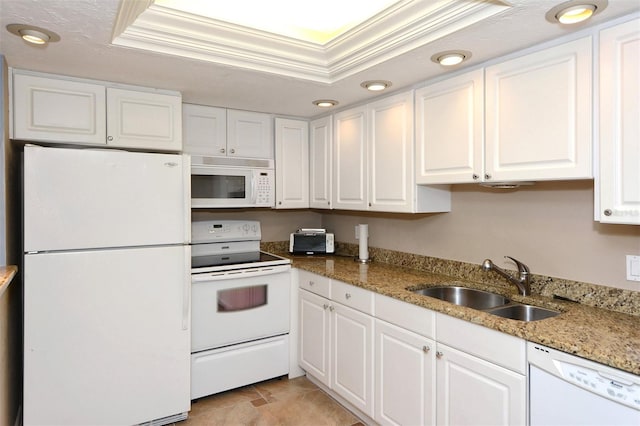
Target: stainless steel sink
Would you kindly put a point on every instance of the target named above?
(522, 312)
(463, 296)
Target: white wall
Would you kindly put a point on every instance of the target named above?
(548, 226)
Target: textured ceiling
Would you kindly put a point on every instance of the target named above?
(85, 50)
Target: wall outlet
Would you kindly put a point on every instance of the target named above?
(633, 268)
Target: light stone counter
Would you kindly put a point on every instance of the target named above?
(602, 335)
(6, 275)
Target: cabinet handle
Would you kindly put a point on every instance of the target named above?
(608, 212)
(426, 349)
(109, 138)
(347, 296)
(439, 354)
(233, 151)
(475, 177)
(487, 176)
(221, 150)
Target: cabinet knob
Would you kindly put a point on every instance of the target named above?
(325, 306)
(475, 177)
(347, 296)
(426, 349)
(233, 151)
(311, 283)
(222, 150)
(328, 203)
(280, 203)
(331, 308)
(109, 138)
(608, 212)
(487, 176)
(439, 354)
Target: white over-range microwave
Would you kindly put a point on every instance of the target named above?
(219, 182)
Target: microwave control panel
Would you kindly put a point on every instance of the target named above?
(264, 189)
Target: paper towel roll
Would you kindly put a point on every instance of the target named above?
(363, 249)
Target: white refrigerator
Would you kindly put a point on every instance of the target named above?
(106, 287)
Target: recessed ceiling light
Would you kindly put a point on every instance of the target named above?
(450, 58)
(33, 35)
(325, 103)
(375, 85)
(575, 11)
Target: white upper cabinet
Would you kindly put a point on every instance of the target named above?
(539, 115)
(320, 149)
(373, 165)
(53, 110)
(249, 134)
(619, 180)
(144, 120)
(350, 170)
(204, 130)
(390, 152)
(292, 164)
(450, 130)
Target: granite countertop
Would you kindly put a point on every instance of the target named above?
(6, 275)
(605, 336)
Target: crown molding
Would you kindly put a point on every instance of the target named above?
(398, 29)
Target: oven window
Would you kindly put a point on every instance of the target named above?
(218, 186)
(239, 299)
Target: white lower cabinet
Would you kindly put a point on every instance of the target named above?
(405, 377)
(400, 364)
(336, 341)
(472, 391)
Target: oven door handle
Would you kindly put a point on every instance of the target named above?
(240, 273)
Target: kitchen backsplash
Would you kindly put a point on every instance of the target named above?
(611, 298)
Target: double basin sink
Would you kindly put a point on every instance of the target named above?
(485, 301)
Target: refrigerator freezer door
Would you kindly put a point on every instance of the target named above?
(106, 336)
(81, 198)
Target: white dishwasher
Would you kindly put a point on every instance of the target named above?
(568, 390)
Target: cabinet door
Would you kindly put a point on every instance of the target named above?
(314, 350)
(144, 120)
(350, 160)
(352, 357)
(390, 153)
(249, 134)
(471, 391)
(538, 115)
(204, 130)
(405, 374)
(51, 110)
(619, 180)
(320, 148)
(292, 164)
(450, 130)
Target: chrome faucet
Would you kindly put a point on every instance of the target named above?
(523, 280)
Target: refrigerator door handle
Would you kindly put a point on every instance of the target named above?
(186, 288)
(186, 179)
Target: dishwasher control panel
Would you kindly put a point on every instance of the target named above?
(607, 382)
(608, 385)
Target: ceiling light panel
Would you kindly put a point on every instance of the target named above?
(317, 22)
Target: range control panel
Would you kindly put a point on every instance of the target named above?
(225, 230)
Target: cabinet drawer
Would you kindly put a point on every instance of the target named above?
(490, 345)
(315, 283)
(410, 317)
(352, 296)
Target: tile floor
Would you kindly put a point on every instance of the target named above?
(273, 402)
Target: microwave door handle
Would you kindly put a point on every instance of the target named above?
(254, 195)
